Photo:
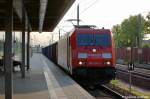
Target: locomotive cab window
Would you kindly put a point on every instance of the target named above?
(94, 40)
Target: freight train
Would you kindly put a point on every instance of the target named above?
(86, 52)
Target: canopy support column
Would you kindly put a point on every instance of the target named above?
(28, 49)
(8, 50)
(23, 42)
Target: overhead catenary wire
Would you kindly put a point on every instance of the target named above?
(89, 6)
(72, 13)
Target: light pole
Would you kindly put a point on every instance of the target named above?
(59, 34)
(14, 45)
(78, 15)
(139, 37)
(3, 44)
(130, 67)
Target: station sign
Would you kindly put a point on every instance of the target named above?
(130, 66)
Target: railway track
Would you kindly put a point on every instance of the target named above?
(110, 91)
(139, 78)
(133, 74)
(137, 71)
(105, 92)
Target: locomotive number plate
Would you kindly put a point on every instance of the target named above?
(94, 55)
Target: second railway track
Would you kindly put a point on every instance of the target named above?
(139, 80)
(137, 70)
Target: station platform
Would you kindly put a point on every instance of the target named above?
(44, 81)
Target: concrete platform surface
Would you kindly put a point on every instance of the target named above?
(44, 81)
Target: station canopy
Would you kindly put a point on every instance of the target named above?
(42, 15)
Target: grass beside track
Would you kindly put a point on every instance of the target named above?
(135, 91)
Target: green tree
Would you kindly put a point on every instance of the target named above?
(147, 24)
(127, 34)
(117, 35)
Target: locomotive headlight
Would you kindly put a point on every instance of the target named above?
(94, 50)
(108, 63)
(80, 63)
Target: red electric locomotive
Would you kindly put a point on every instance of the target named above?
(88, 52)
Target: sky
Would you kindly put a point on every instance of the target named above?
(102, 13)
(106, 13)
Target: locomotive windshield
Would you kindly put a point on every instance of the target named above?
(94, 40)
